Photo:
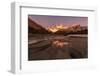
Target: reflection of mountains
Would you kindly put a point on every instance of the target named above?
(36, 28)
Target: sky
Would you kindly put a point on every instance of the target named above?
(47, 20)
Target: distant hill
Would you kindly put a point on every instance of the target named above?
(35, 28)
(85, 31)
(73, 29)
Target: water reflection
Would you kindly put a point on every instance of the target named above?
(59, 42)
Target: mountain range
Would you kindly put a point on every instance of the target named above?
(36, 28)
(73, 29)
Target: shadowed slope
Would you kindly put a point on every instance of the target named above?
(36, 28)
